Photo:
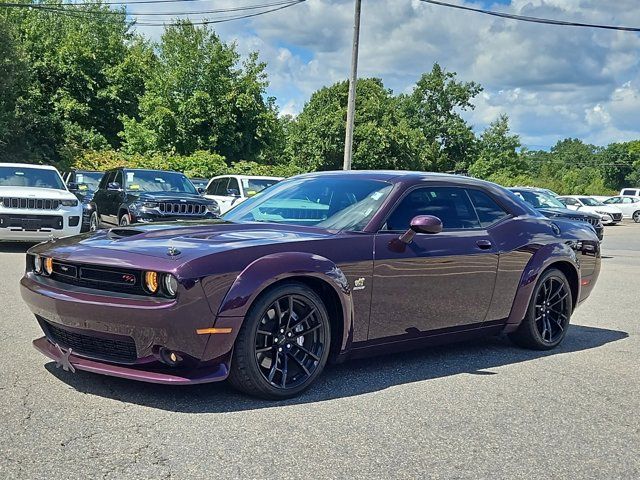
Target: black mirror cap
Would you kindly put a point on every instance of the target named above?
(113, 186)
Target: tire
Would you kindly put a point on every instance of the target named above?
(547, 319)
(125, 220)
(636, 216)
(299, 344)
(94, 223)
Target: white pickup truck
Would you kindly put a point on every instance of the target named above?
(35, 204)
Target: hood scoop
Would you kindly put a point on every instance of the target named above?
(118, 233)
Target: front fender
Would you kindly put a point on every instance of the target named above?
(539, 262)
(267, 270)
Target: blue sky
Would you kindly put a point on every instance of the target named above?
(552, 82)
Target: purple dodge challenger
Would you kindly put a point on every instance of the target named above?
(320, 267)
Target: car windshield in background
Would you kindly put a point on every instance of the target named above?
(591, 202)
(88, 180)
(539, 199)
(30, 177)
(254, 185)
(156, 181)
(331, 203)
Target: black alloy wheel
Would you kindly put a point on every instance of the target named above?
(283, 344)
(547, 319)
(552, 309)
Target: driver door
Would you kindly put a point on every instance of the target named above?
(438, 282)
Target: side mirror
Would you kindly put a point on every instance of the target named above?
(72, 186)
(113, 186)
(422, 224)
(201, 190)
(233, 192)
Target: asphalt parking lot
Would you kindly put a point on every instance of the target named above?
(476, 410)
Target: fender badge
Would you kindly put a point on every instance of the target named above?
(173, 251)
(358, 284)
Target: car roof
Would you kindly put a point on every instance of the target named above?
(231, 175)
(29, 165)
(396, 175)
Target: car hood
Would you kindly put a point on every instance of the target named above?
(176, 242)
(565, 212)
(35, 192)
(600, 208)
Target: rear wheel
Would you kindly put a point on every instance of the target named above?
(547, 320)
(283, 344)
(93, 222)
(636, 216)
(125, 220)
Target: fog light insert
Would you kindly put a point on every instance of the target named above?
(151, 281)
(170, 284)
(48, 265)
(37, 264)
(169, 357)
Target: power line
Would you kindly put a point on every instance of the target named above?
(524, 18)
(79, 13)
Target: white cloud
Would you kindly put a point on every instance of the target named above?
(552, 81)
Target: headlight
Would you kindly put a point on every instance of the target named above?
(37, 264)
(602, 213)
(170, 285)
(213, 208)
(69, 203)
(149, 204)
(48, 265)
(151, 281)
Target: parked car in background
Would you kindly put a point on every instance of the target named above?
(630, 192)
(35, 204)
(551, 207)
(200, 184)
(609, 214)
(127, 195)
(83, 184)
(544, 190)
(630, 206)
(320, 267)
(230, 190)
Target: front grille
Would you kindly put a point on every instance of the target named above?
(31, 223)
(616, 216)
(592, 221)
(182, 208)
(30, 203)
(119, 348)
(100, 278)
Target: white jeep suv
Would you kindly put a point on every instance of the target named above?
(230, 190)
(35, 204)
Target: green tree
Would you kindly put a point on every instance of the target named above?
(499, 155)
(383, 138)
(434, 107)
(200, 96)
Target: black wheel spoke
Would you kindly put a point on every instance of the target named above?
(290, 312)
(304, 350)
(559, 300)
(264, 332)
(304, 333)
(274, 367)
(304, 319)
(265, 349)
(300, 363)
(285, 371)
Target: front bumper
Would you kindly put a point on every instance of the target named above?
(148, 216)
(152, 324)
(28, 225)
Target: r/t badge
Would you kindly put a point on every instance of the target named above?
(358, 284)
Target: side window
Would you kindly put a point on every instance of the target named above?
(489, 212)
(449, 204)
(221, 188)
(211, 189)
(569, 201)
(233, 187)
(627, 200)
(119, 179)
(107, 178)
(612, 200)
(628, 192)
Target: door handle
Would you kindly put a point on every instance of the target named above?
(484, 244)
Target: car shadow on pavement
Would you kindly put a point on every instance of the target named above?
(356, 377)
(16, 247)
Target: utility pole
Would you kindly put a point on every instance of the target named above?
(351, 102)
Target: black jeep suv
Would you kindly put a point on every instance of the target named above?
(128, 195)
(551, 207)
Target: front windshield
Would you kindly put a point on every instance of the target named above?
(20, 176)
(157, 181)
(88, 181)
(325, 202)
(591, 202)
(539, 199)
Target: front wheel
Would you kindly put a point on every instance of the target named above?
(547, 320)
(636, 216)
(125, 220)
(93, 222)
(283, 344)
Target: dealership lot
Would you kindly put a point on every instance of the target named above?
(478, 410)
